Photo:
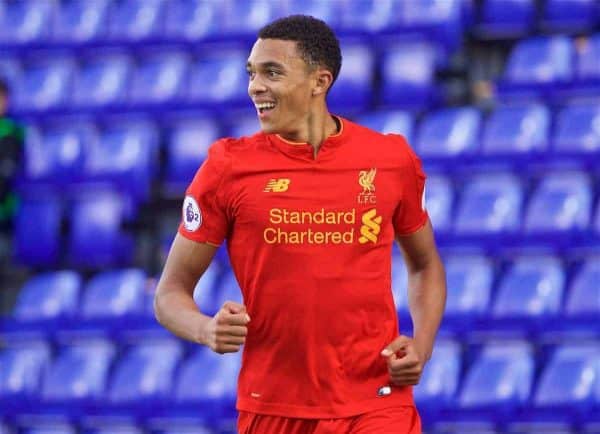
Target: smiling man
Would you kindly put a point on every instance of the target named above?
(309, 207)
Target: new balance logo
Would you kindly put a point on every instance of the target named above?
(277, 185)
(371, 226)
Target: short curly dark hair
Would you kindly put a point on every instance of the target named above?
(317, 43)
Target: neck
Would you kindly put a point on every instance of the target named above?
(314, 129)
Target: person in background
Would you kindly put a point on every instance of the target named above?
(11, 152)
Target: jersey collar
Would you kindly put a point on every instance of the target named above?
(305, 150)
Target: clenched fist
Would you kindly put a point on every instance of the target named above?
(405, 363)
(227, 330)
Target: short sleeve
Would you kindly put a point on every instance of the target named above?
(411, 215)
(204, 216)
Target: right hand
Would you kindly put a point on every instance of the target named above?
(227, 330)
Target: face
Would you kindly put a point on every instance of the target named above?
(281, 86)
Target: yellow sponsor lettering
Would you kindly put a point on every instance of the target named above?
(371, 226)
(275, 216)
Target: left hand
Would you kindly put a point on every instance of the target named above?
(405, 363)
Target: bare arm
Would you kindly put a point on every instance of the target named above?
(176, 310)
(426, 299)
(427, 286)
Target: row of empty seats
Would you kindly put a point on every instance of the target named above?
(104, 20)
(98, 79)
(480, 289)
(553, 68)
(499, 380)
(537, 68)
(511, 130)
(514, 19)
(520, 297)
(80, 21)
(125, 152)
(95, 376)
(498, 202)
(519, 209)
(96, 237)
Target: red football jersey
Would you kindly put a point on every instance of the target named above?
(310, 242)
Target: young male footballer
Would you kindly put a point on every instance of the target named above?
(309, 207)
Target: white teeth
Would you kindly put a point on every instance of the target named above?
(265, 105)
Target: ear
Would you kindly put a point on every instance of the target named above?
(323, 81)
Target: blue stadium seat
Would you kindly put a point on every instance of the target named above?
(440, 379)
(369, 16)
(48, 295)
(245, 125)
(569, 15)
(408, 76)
(576, 130)
(56, 156)
(114, 294)
(569, 378)
(440, 21)
(449, 132)
(588, 65)
(10, 70)
(38, 161)
(537, 66)
(126, 156)
(205, 289)
(439, 200)
(102, 79)
(149, 293)
(561, 202)
(22, 366)
(25, 21)
(353, 87)
(37, 231)
(208, 380)
(67, 146)
(145, 374)
(517, 130)
(246, 17)
(191, 19)
(45, 83)
(81, 20)
(227, 289)
(532, 287)
(136, 19)
(469, 280)
(500, 379)
(506, 19)
(227, 75)
(187, 147)
(490, 203)
(326, 11)
(96, 238)
(78, 375)
(159, 77)
(389, 121)
(400, 285)
(584, 293)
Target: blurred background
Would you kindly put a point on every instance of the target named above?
(107, 108)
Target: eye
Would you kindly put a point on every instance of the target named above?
(250, 73)
(272, 73)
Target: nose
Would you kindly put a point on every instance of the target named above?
(255, 86)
